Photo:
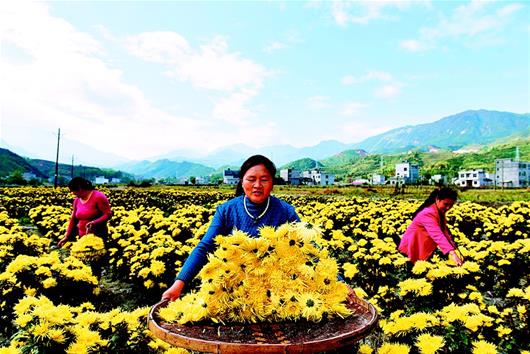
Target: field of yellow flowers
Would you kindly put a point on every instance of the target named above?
(92, 296)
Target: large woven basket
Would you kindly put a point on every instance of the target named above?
(284, 337)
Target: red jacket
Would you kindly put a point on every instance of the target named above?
(425, 234)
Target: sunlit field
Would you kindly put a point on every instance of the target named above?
(94, 297)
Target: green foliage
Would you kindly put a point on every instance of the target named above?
(436, 161)
(303, 164)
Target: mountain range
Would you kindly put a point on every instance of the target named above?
(465, 131)
(473, 127)
(453, 132)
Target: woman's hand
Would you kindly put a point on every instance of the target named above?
(456, 259)
(62, 241)
(174, 291)
(89, 226)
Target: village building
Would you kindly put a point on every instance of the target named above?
(378, 179)
(473, 178)
(231, 177)
(290, 176)
(316, 177)
(407, 173)
(512, 173)
(101, 180)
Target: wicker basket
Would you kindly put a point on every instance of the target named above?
(284, 337)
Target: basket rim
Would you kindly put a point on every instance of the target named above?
(220, 346)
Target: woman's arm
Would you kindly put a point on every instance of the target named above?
(103, 205)
(199, 256)
(71, 225)
(431, 223)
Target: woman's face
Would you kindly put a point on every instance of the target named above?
(444, 204)
(257, 184)
(81, 193)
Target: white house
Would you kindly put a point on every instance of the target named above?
(202, 180)
(101, 180)
(378, 179)
(290, 176)
(512, 173)
(27, 176)
(407, 172)
(231, 177)
(473, 178)
(318, 178)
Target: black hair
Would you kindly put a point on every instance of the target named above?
(78, 183)
(437, 194)
(251, 162)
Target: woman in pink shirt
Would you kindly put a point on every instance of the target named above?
(429, 228)
(91, 210)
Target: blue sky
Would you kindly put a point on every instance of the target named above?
(140, 79)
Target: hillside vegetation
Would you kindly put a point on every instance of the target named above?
(442, 161)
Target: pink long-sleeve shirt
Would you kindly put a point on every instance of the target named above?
(424, 234)
(96, 210)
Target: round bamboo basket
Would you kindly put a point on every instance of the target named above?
(282, 337)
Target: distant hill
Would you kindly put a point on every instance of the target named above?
(345, 157)
(11, 162)
(434, 161)
(279, 154)
(167, 168)
(453, 132)
(90, 172)
(302, 164)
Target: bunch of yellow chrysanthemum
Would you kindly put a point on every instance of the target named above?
(88, 248)
(281, 275)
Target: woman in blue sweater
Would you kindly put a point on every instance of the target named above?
(252, 208)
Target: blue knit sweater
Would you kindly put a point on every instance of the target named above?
(230, 216)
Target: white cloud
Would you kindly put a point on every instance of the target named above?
(318, 102)
(351, 108)
(64, 82)
(414, 45)
(211, 66)
(274, 46)
(509, 9)
(233, 108)
(159, 47)
(467, 22)
(288, 39)
(363, 12)
(388, 90)
(369, 76)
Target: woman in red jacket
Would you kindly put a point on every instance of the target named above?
(429, 228)
(91, 210)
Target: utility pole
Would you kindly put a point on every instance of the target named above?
(57, 159)
(72, 172)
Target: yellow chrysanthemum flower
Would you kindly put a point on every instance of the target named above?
(365, 349)
(429, 344)
(483, 347)
(393, 348)
(420, 287)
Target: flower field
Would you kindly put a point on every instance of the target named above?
(94, 297)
